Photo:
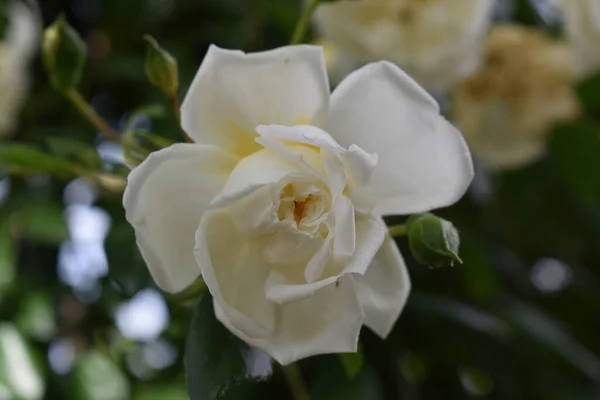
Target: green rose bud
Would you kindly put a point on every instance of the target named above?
(432, 240)
(63, 54)
(161, 67)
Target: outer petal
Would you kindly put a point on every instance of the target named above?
(328, 322)
(235, 274)
(383, 290)
(234, 92)
(164, 200)
(423, 163)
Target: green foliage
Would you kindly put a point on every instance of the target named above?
(575, 149)
(21, 157)
(215, 360)
(353, 362)
(97, 377)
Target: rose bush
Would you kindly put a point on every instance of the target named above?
(278, 204)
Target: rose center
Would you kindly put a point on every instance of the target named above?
(301, 208)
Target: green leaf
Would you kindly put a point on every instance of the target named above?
(8, 254)
(332, 383)
(412, 368)
(125, 263)
(43, 222)
(36, 317)
(587, 90)
(97, 377)
(20, 371)
(215, 360)
(575, 148)
(461, 314)
(164, 392)
(353, 362)
(30, 159)
(74, 150)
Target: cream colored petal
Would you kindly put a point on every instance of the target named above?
(235, 274)
(164, 200)
(325, 323)
(423, 161)
(234, 92)
(284, 285)
(383, 289)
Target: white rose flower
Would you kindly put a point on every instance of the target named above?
(435, 41)
(278, 204)
(524, 87)
(582, 28)
(17, 47)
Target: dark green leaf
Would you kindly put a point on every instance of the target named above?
(215, 360)
(125, 263)
(74, 150)
(353, 362)
(29, 159)
(8, 256)
(43, 222)
(97, 377)
(575, 148)
(332, 383)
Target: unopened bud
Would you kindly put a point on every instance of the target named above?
(63, 54)
(433, 241)
(161, 67)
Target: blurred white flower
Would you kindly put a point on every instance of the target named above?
(582, 29)
(435, 41)
(508, 107)
(278, 204)
(17, 47)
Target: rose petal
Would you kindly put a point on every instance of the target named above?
(423, 163)
(357, 162)
(285, 285)
(344, 241)
(319, 260)
(383, 289)
(328, 322)
(164, 201)
(235, 274)
(234, 92)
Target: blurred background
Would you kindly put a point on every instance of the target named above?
(81, 319)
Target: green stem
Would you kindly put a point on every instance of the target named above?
(91, 115)
(304, 21)
(176, 106)
(294, 378)
(397, 230)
